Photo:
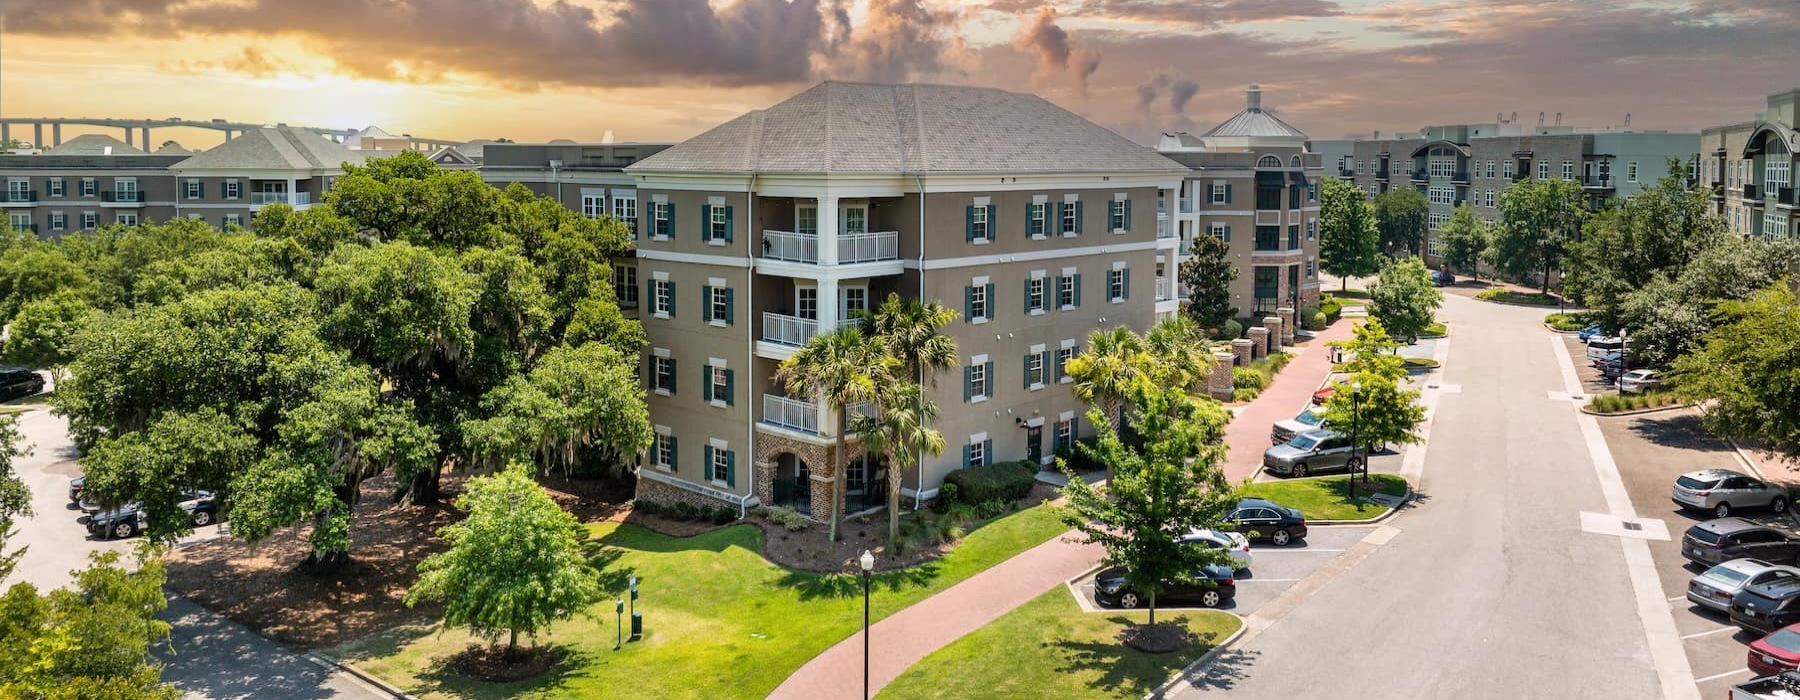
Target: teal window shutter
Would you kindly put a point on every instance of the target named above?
(671, 362)
(987, 452)
(1025, 369)
(730, 387)
(1077, 285)
(706, 385)
(706, 466)
(992, 307)
(1056, 370)
(1027, 295)
(730, 307)
(993, 213)
(730, 225)
(672, 305)
(1027, 219)
(988, 379)
(1049, 355)
(967, 455)
(674, 452)
(1227, 193)
(1078, 216)
(1227, 233)
(670, 209)
(968, 383)
(706, 303)
(705, 222)
(1128, 215)
(731, 468)
(1126, 284)
(969, 302)
(969, 224)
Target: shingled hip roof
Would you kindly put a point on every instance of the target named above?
(850, 128)
(94, 145)
(273, 148)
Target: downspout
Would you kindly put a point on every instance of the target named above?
(750, 337)
(919, 459)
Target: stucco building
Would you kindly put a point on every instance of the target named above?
(1749, 168)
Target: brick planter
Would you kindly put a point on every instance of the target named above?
(1244, 349)
(1287, 325)
(1259, 342)
(1218, 384)
(1273, 323)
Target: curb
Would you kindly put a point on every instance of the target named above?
(1205, 659)
(1558, 331)
(1377, 520)
(1743, 457)
(1514, 303)
(364, 676)
(1635, 412)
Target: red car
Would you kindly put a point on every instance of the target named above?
(1778, 652)
(1322, 395)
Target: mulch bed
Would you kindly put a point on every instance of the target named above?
(492, 664)
(1160, 638)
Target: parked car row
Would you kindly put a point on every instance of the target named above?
(129, 519)
(1215, 585)
(1753, 574)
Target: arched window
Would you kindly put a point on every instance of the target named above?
(1268, 162)
(1295, 163)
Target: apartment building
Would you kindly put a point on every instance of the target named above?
(1473, 164)
(1253, 182)
(1034, 224)
(95, 180)
(1749, 167)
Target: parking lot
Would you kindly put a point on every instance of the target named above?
(1272, 569)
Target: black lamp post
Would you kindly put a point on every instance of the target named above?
(868, 568)
(1356, 433)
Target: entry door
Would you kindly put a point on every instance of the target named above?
(1034, 444)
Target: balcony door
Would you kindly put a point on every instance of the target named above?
(852, 300)
(855, 218)
(806, 303)
(806, 219)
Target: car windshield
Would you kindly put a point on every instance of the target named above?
(1304, 442)
(1688, 482)
(1310, 417)
(1780, 588)
(1784, 639)
(1726, 574)
(1703, 535)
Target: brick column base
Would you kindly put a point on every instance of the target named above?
(1259, 342)
(1244, 349)
(1218, 384)
(1273, 323)
(1288, 325)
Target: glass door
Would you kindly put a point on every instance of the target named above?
(806, 302)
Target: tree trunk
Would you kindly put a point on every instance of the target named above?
(841, 465)
(894, 477)
(512, 643)
(1152, 608)
(1546, 285)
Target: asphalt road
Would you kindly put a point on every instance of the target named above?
(207, 656)
(1490, 589)
(1273, 569)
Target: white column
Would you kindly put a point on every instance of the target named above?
(828, 305)
(293, 189)
(828, 240)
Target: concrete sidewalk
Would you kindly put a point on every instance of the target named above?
(906, 637)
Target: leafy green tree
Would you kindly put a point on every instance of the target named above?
(44, 330)
(1538, 219)
(1404, 299)
(1371, 350)
(1666, 318)
(1400, 216)
(577, 403)
(900, 431)
(1376, 410)
(1657, 231)
(15, 497)
(1743, 375)
(1208, 274)
(1158, 492)
(89, 643)
(1180, 354)
(515, 564)
(1465, 240)
(32, 272)
(840, 368)
(1349, 242)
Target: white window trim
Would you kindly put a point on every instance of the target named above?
(987, 382)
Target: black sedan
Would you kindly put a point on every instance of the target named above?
(16, 382)
(1212, 586)
(1258, 519)
(1766, 607)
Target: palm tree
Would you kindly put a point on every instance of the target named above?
(1114, 362)
(1181, 355)
(843, 367)
(912, 331)
(901, 431)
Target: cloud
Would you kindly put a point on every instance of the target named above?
(251, 62)
(1207, 13)
(1056, 52)
(899, 40)
(1180, 93)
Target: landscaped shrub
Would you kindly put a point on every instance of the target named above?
(646, 507)
(1241, 395)
(1615, 403)
(788, 518)
(1507, 296)
(723, 514)
(1006, 481)
(1311, 319)
(946, 497)
(1077, 458)
(1566, 322)
(1231, 330)
(1274, 362)
(1248, 378)
(685, 510)
(1332, 308)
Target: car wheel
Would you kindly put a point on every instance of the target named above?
(124, 530)
(1300, 470)
(202, 518)
(1778, 506)
(1722, 510)
(1354, 464)
(1211, 599)
(1280, 538)
(1128, 600)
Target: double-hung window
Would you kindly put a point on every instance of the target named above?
(90, 188)
(978, 224)
(625, 211)
(1116, 215)
(1543, 170)
(1507, 169)
(1068, 290)
(663, 223)
(1065, 434)
(1631, 171)
(719, 387)
(976, 378)
(1037, 220)
(978, 299)
(721, 464)
(1070, 220)
(625, 285)
(53, 187)
(718, 298)
(718, 223)
(1036, 366)
(89, 221)
(1063, 355)
(1220, 193)
(662, 374)
(1118, 285)
(231, 220)
(662, 298)
(191, 189)
(593, 204)
(58, 221)
(231, 189)
(975, 454)
(663, 451)
(1568, 170)
(1035, 295)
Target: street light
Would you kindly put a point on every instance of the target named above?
(868, 567)
(1355, 432)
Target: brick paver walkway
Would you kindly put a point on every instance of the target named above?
(907, 636)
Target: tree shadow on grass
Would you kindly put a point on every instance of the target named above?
(813, 586)
(441, 677)
(1224, 672)
(613, 579)
(1123, 670)
(1679, 430)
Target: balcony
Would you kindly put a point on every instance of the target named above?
(1163, 230)
(792, 331)
(122, 197)
(23, 197)
(1595, 182)
(1784, 196)
(1421, 176)
(297, 199)
(1189, 206)
(1751, 195)
(787, 246)
(1346, 172)
(1461, 178)
(801, 416)
(1381, 174)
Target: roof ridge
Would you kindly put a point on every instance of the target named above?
(830, 107)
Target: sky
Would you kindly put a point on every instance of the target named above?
(663, 70)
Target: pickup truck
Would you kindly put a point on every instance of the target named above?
(1783, 687)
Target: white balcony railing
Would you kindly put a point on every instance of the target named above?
(788, 330)
(869, 247)
(789, 413)
(852, 247)
(1163, 229)
(1187, 206)
(298, 199)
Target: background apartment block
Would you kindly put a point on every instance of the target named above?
(95, 180)
(1749, 168)
(1034, 224)
(1474, 163)
(1253, 183)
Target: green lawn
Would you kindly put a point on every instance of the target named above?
(1351, 293)
(1436, 330)
(1325, 498)
(1567, 321)
(720, 621)
(1507, 296)
(1049, 648)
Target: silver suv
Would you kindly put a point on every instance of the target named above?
(1315, 451)
(1309, 419)
(1723, 491)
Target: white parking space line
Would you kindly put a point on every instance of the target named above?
(1261, 552)
(1709, 633)
(1717, 676)
(1667, 654)
(1676, 598)
(1267, 580)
